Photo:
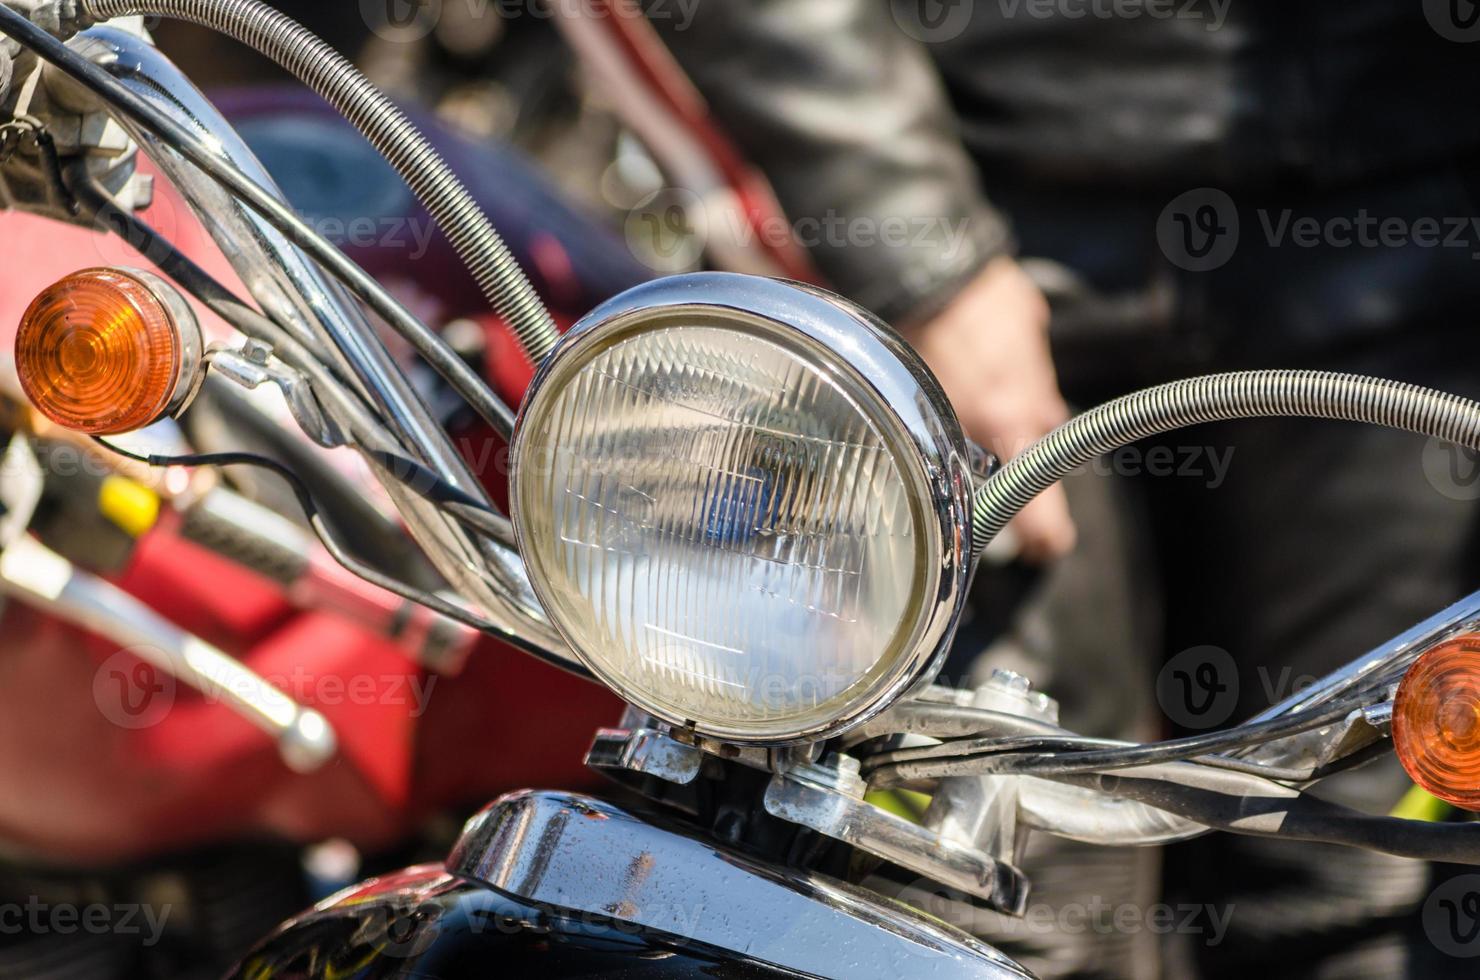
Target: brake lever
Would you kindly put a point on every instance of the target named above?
(34, 574)
(39, 577)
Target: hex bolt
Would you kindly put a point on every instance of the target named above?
(256, 351)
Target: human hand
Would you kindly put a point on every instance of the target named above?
(989, 350)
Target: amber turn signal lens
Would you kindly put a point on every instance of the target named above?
(1436, 721)
(107, 350)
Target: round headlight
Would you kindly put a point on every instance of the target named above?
(743, 503)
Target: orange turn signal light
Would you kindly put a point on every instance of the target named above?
(105, 351)
(1436, 721)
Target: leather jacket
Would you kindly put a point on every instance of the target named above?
(944, 112)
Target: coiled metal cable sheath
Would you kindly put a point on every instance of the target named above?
(1213, 398)
(324, 70)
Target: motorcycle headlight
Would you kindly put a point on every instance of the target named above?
(743, 502)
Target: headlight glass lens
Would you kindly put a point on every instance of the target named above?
(721, 519)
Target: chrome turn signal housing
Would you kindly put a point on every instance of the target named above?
(108, 350)
(1436, 721)
(744, 504)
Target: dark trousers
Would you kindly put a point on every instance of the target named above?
(1223, 566)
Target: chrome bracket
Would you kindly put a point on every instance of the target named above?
(254, 365)
(829, 799)
(825, 796)
(646, 751)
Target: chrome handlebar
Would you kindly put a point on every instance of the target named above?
(320, 314)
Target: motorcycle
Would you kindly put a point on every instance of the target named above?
(740, 503)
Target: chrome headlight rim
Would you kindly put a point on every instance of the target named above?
(903, 398)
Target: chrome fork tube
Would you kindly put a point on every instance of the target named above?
(319, 312)
(1397, 652)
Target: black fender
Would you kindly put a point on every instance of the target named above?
(426, 923)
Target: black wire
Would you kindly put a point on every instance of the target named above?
(119, 97)
(461, 506)
(53, 166)
(310, 509)
(422, 480)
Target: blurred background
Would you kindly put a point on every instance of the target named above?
(1087, 202)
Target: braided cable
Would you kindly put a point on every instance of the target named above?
(298, 51)
(1214, 398)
